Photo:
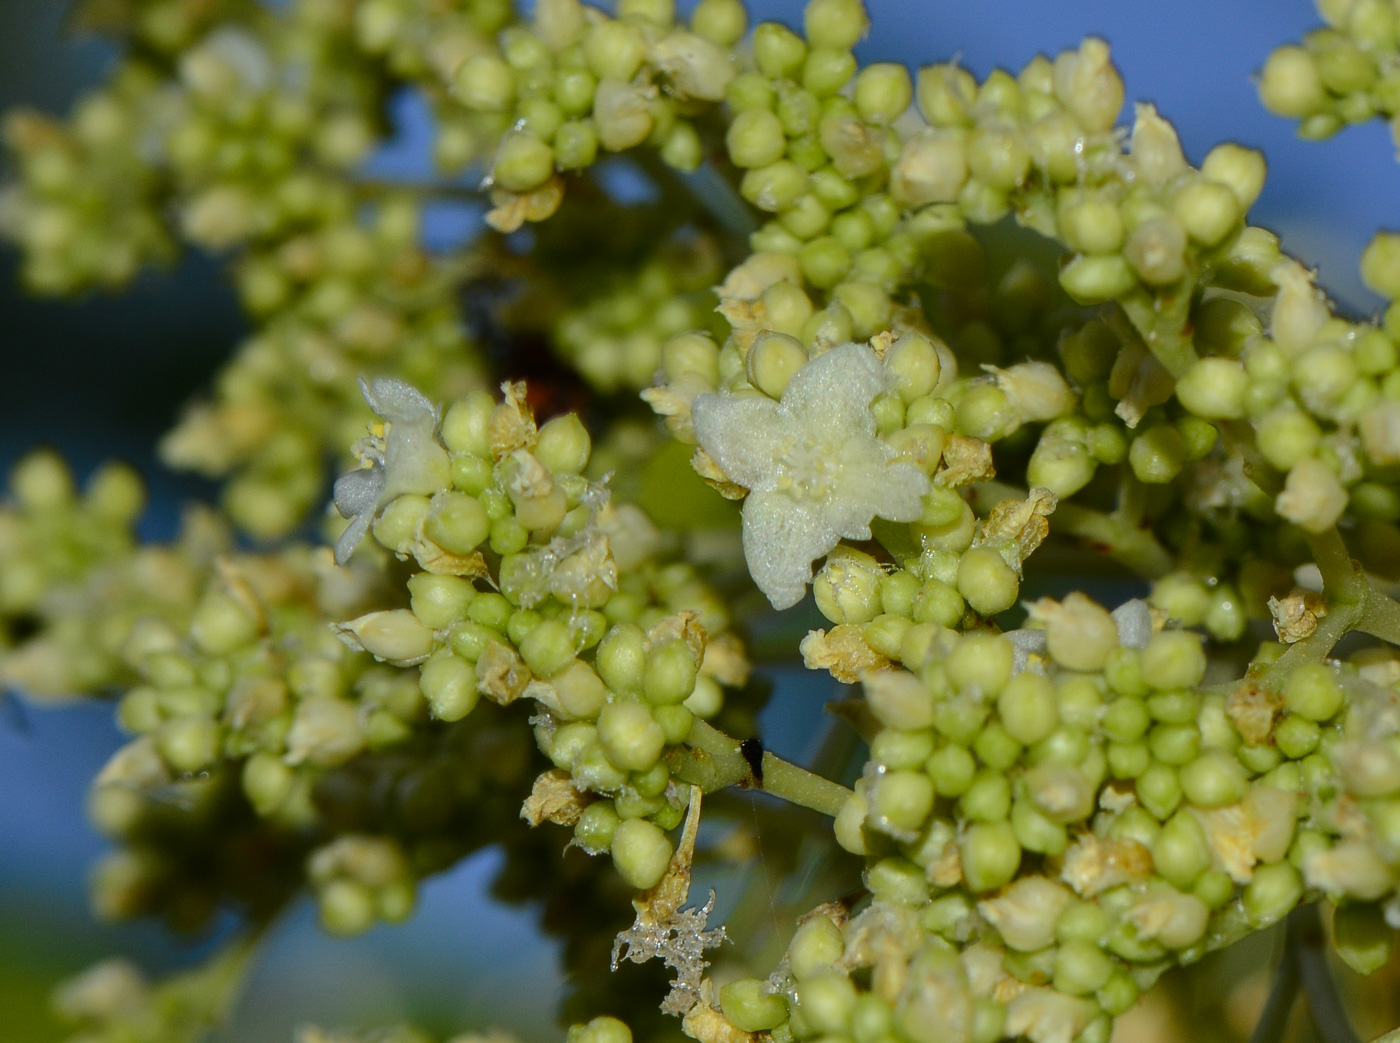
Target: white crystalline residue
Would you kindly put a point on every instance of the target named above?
(1134, 620)
(815, 470)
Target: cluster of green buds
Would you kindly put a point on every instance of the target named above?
(553, 95)
(1053, 817)
(340, 296)
(1339, 75)
(620, 654)
(58, 548)
(613, 335)
(86, 208)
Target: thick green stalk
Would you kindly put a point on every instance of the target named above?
(713, 761)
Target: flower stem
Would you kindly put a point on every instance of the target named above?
(713, 761)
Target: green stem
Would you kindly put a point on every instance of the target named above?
(1380, 617)
(1342, 581)
(1314, 648)
(1161, 320)
(713, 761)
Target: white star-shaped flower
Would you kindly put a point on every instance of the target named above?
(408, 459)
(815, 470)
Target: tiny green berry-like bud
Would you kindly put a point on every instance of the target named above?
(631, 738)
(722, 21)
(1157, 250)
(1208, 211)
(751, 1006)
(1362, 937)
(883, 91)
(1173, 659)
(835, 24)
(449, 684)
(1380, 264)
(563, 445)
(669, 675)
(755, 138)
(641, 852)
(1241, 169)
(600, 1030)
(825, 1001)
(1290, 84)
(1095, 279)
(990, 855)
(1312, 692)
(548, 648)
(1213, 780)
(772, 360)
(903, 799)
(1214, 388)
(847, 589)
(987, 582)
(456, 522)
(1157, 455)
(486, 83)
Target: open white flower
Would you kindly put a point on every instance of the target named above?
(815, 470)
(407, 459)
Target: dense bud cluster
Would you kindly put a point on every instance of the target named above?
(927, 418)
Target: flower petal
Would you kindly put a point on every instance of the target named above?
(782, 537)
(832, 393)
(742, 433)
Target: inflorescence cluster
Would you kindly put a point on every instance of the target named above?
(954, 345)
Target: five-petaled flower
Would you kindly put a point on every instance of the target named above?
(407, 459)
(815, 470)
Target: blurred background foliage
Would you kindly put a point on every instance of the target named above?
(104, 376)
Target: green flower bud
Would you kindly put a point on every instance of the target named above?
(1091, 224)
(600, 1030)
(669, 675)
(614, 50)
(548, 648)
(755, 138)
(903, 799)
(883, 91)
(641, 853)
(814, 948)
(825, 1001)
(267, 781)
(622, 114)
(621, 658)
(751, 1006)
(1312, 692)
(1273, 893)
(1207, 210)
(456, 522)
(1291, 85)
(931, 168)
(485, 83)
(1240, 169)
(1180, 852)
(632, 740)
(1027, 708)
(1157, 454)
(988, 798)
(1081, 968)
(346, 907)
(393, 636)
(946, 94)
(1213, 780)
(1362, 937)
(1214, 388)
(449, 684)
(722, 21)
(1158, 790)
(1156, 249)
(1097, 279)
(1089, 86)
(987, 582)
(1380, 264)
(824, 262)
(990, 855)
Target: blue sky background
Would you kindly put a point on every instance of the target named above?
(103, 377)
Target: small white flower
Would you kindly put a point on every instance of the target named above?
(408, 459)
(815, 470)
